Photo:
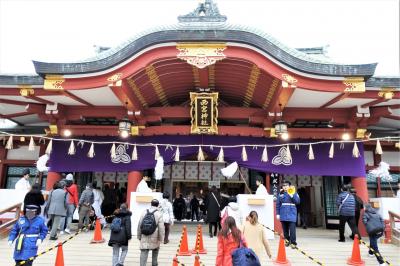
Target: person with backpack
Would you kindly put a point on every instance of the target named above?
(375, 227)
(121, 233)
(28, 233)
(150, 233)
(229, 239)
(346, 204)
(168, 215)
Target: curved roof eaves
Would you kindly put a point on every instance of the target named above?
(383, 82)
(221, 32)
(11, 80)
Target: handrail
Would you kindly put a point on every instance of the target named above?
(4, 228)
(395, 232)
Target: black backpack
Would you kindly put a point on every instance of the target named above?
(116, 225)
(149, 224)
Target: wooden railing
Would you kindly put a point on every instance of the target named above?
(395, 232)
(6, 227)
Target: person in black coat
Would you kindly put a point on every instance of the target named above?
(119, 240)
(194, 207)
(179, 207)
(213, 205)
(359, 206)
(34, 197)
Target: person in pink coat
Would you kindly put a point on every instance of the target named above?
(228, 240)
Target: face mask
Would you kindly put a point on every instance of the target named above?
(30, 214)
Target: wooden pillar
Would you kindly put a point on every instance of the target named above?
(268, 182)
(360, 184)
(134, 178)
(52, 178)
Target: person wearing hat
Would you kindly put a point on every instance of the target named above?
(72, 203)
(23, 183)
(286, 212)
(28, 233)
(85, 206)
(261, 190)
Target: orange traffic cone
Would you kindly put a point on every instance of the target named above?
(355, 258)
(198, 245)
(97, 233)
(175, 262)
(60, 256)
(196, 261)
(281, 258)
(183, 246)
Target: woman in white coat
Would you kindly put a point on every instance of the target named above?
(167, 214)
(98, 200)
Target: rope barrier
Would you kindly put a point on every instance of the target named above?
(296, 247)
(60, 243)
(177, 251)
(198, 248)
(374, 252)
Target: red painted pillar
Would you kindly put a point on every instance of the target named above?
(360, 184)
(268, 182)
(134, 177)
(3, 155)
(52, 178)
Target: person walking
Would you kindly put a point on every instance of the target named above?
(85, 206)
(346, 204)
(72, 203)
(255, 235)
(233, 210)
(213, 210)
(28, 233)
(121, 233)
(194, 208)
(229, 239)
(286, 212)
(57, 208)
(167, 214)
(150, 241)
(34, 197)
(359, 205)
(98, 198)
(23, 183)
(375, 227)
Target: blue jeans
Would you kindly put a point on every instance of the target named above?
(373, 242)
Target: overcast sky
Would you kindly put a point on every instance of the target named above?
(357, 31)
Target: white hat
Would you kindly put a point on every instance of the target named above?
(69, 177)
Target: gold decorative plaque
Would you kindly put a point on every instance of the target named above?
(201, 55)
(354, 85)
(53, 82)
(288, 81)
(204, 113)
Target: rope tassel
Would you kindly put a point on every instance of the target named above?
(200, 155)
(288, 153)
(221, 155)
(49, 147)
(177, 154)
(134, 153)
(311, 153)
(31, 146)
(331, 150)
(156, 153)
(264, 156)
(113, 155)
(356, 152)
(71, 150)
(9, 145)
(378, 149)
(91, 151)
(244, 154)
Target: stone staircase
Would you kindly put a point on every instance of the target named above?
(320, 243)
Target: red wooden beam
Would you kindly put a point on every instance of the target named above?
(335, 100)
(280, 99)
(16, 115)
(126, 96)
(381, 100)
(74, 97)
(16, 92)
(33, 97)
(13, 102)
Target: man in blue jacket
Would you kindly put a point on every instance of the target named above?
(346, 204)
(28, 233)
(286, 212)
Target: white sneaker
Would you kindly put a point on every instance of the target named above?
(61, 233)
(67, 231)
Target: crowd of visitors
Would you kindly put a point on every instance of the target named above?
(226, 220)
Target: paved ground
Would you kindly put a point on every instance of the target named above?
(319, 243)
